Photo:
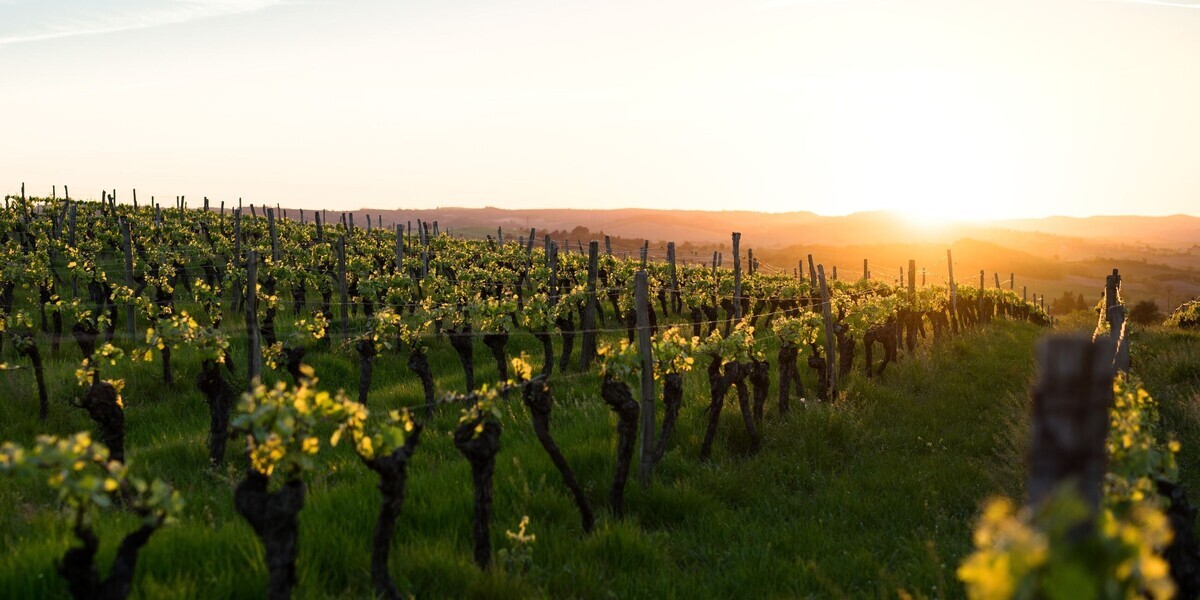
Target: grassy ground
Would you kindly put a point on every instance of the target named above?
(1168, 361)
(863, 497)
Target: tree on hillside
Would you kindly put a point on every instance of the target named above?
(1067, 303)
(1145, 312)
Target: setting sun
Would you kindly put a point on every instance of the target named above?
(623, 299)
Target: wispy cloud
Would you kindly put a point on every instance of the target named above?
(1195, 4)
(770, 4)
(38, 20)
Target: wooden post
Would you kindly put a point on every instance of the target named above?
(997, 276)
(552, 264)
(274, 236)
(237, 232)
(345, 312)
(812, 272)
(953, 292)
(129, 316)
(71, 226)
(675, 293)
(320, 227)
(1012, 282)
(980, 301)
(254, 354)
(737, 277)
(1119, 337)
(912, 280)
(1071, 402)
(866, 270)
(831, 363)
(645, 251)
(425, 258)
(608, 245)
(646, 452)
(1111, 296)
(587, 347)
(399, 250)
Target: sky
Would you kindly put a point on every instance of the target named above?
(935, 109)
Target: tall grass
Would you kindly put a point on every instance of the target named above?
(871, 494)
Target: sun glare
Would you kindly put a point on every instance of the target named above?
(921, 146)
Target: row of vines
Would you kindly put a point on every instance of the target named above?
(139, 284)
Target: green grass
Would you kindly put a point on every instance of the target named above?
(870, 495)
(1168, 361)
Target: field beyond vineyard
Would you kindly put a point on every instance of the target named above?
(869, 495)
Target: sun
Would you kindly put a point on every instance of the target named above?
(922, 146)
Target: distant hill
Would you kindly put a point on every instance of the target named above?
(1159, 255)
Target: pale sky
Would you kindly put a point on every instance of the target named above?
(957, 108)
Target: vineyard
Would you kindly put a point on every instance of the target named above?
(212, 403)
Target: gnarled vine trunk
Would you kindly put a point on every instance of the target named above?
(537, 398)
(393, 478)
(618, 397)
(460, 340)
(672, 401)
(418, 362)
(100, 402)
(78, 565)
(496, 342)
(366, 363)
(220, 397)
(274, 518)
(480, 449)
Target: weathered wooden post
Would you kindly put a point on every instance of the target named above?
(980, 301)
(737, 277)
(676, 296)
(646, 451)
(399, 250)
(254, 354)
(953, 292)
(587, 347)
(345, 312)
(274, 236)
(831, 363)
(1119, 337)
(866, 270)
(1071, 402)
(129, 316)
(1111, 294)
